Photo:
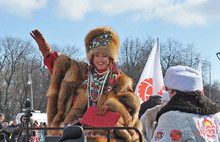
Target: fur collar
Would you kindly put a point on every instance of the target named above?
(151, 115)
(190, 102)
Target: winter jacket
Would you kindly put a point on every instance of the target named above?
(12, 133)
(152, 102)
(3, 133)
(148, 121)
(188, 117)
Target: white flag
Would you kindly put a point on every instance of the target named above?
(199, 68)
(151, 80)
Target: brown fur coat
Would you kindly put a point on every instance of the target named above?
(66, 81)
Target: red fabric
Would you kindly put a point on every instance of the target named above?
(50, 60)
(109, 119)
(101, 71)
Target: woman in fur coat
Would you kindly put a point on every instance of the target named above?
(77, 85)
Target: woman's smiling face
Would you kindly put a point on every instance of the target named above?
(101, 61)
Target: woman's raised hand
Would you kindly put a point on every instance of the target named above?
(42, 43)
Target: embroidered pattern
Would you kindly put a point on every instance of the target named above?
(96, 133)
(159, 135)
(208, 127)
(175, 135)
(100, 40)
(96, 86)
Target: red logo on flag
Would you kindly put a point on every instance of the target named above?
(161, 91)
(145, 89)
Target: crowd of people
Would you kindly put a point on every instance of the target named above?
(16, 135)
(183, 113)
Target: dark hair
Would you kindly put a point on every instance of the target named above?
(22, 117)
(152, 102)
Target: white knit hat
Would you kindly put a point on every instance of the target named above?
(166, 96)
(183, 78)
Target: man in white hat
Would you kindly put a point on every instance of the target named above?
(189, 115)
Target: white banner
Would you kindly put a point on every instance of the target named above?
(151, 80)
(199, 68)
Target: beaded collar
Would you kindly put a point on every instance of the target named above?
(97, 83)
(96, 86)
(100, 72)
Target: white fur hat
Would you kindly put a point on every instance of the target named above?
(166, 96)
(183, 78)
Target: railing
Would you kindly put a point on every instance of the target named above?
(91, 128)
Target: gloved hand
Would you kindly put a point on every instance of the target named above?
(42, 43)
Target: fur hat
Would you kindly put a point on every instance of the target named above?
(183, 78)
(102, 39)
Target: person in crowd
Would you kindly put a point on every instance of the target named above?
(100, 84)
(45, 126)
(32, 122)
(22, 134)
(3, 133)
(36, 124)
(189, 115)
(152, 102)
(13, 133)
(2, 123)
(41, 124)
(41, 133)
(2, 117)
(22, 120)
(36, 135)
(148, 119)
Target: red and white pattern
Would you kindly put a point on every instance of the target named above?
(208, 127)
(151, 80)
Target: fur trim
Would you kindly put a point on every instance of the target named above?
(151, 115)
(98, 139)
(110, 49)
(122, 83)
(79, 105)
(131, 102)
(191, 102)
(127, 104)
(67, 76)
